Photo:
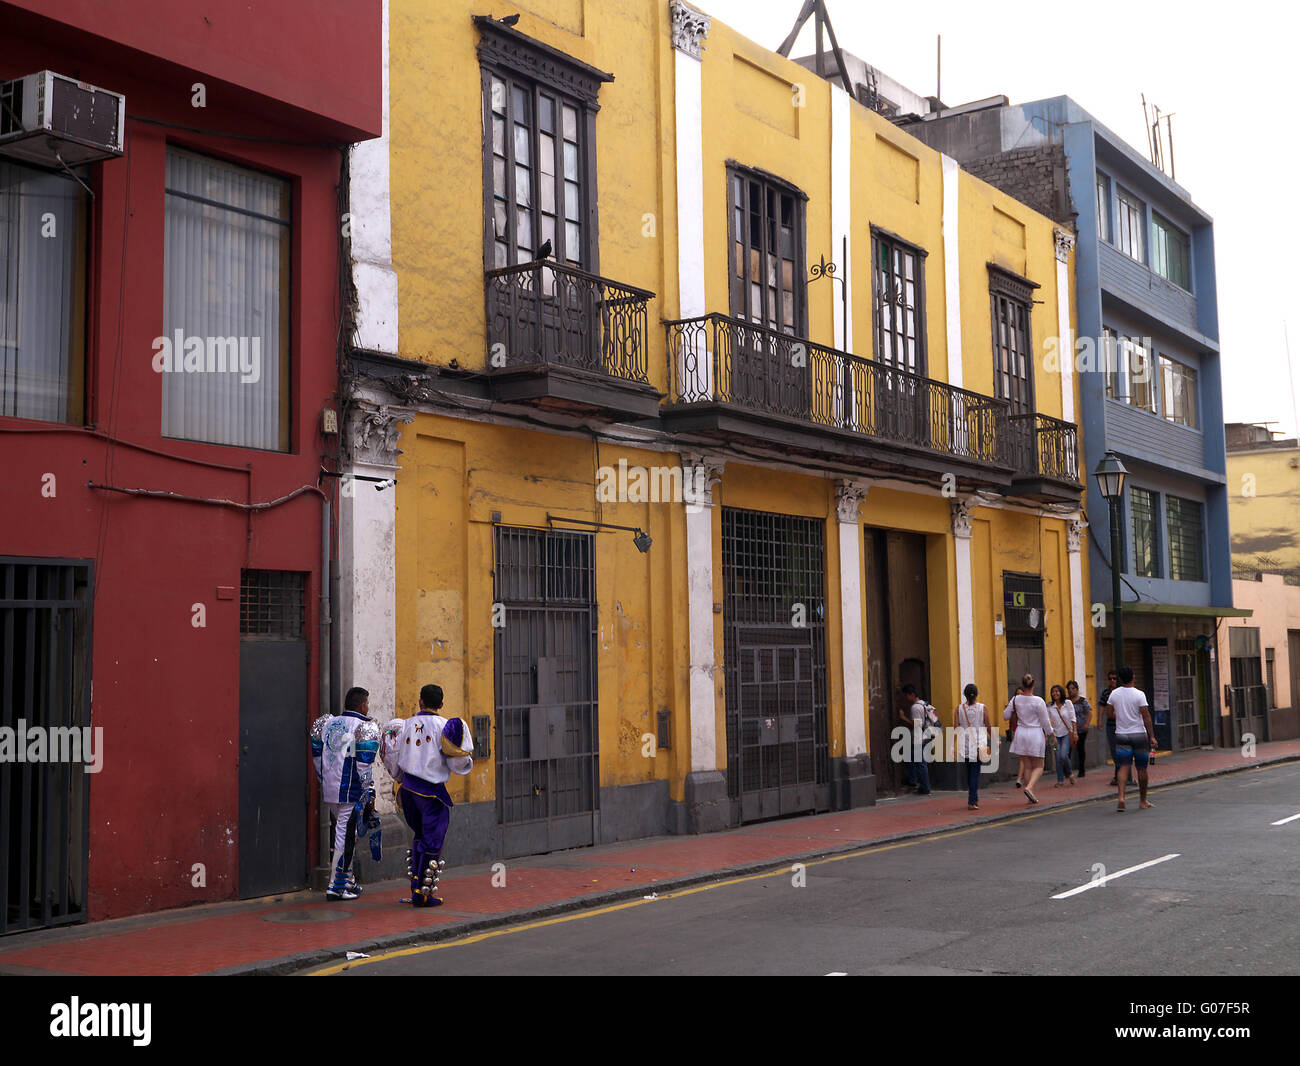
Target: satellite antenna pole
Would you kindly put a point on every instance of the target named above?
(938, 65)
(817, 9)
(1146, 121)
(1159, 158)
(1169, 125)
(1295, 414)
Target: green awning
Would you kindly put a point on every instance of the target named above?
(1141, 607)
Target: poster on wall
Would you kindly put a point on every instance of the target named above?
(1160, 677)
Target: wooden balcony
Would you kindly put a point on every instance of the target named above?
(734, 381)
(562, 339)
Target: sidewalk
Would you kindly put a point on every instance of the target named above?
(283, 934)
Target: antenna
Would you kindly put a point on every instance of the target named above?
(1146, 122)
(1295, 414)
(1169, 125)
(938, 66)
(1158, 157)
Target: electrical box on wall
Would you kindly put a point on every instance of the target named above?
(329, 421)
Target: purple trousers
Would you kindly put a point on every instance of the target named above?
(427, 810)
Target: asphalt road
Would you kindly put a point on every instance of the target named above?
(972, 901)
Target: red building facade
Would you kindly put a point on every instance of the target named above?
(166, 526)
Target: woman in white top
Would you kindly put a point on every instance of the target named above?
(974, 734)
(1061, 711)
(1033, 733)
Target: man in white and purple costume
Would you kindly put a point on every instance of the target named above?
(422, 753)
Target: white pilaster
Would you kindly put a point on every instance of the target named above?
(848, 497)
(1064, 244)
(367, 561)
(370, 225)
(701, 473)
(689, 29)
(1074, 533)
(842, 211)
(952, 269)
(961, 537)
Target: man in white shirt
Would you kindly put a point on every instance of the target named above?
(1135, 736)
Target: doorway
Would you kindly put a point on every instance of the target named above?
(898, 639)
(273, 724)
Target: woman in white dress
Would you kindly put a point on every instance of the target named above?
(1033, 733)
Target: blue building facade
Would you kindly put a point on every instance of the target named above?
(1147, 353)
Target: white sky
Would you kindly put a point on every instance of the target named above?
(1229, 73)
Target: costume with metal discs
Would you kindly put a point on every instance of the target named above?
(343, 749)
(422, 753)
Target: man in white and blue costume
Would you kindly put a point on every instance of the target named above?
(422, 753)
(343, 750)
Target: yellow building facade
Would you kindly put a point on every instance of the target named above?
(624, 276)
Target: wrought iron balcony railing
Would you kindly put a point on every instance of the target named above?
(545, 313)
(718, 359)
(1042, 446)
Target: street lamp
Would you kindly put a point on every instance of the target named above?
(1110, 475)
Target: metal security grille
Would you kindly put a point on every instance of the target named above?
(45, 636)
(1186, 720)
(547, 754)
(1025, 621)
(1186, 539)
(271, 604)
(774, 579)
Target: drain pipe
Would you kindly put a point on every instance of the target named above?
(325, 670)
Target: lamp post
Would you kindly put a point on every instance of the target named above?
(1110, 475)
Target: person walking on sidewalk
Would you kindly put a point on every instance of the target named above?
(1062, 714)
(918, 720)
(1106, 712)
(975, 733)
(343, 749)
(1083, 722)
(1009, 717)
(1033, 734)
(1135, 736)
(421, 753)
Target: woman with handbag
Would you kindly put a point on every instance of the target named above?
(974, 736)
(1033, 734)
(1061, 711)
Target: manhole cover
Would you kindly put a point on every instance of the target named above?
(301, 917)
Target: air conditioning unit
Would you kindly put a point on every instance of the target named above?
(48, 118)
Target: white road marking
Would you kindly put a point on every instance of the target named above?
(1285, 820)
(1119, 873)
(835, 973)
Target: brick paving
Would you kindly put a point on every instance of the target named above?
(283, 933)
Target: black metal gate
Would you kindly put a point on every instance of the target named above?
(45, 636)
(774, 578)
(547, 750)
(273, 722)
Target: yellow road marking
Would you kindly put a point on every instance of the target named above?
(784, 868)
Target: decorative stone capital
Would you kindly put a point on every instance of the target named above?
(961, 509)
(1074, 534)
(373, 430)
(690, 28)
(699, 474)
(1064, 244)
(848, 498)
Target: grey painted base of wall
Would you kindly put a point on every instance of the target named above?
(852, 783)
(1284, 723)
(708, 807)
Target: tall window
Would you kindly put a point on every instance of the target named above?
(1146, 535)
(1186, 524)
(540, 150)
(1170, 252)
(1013, 375)
(1129, 225)
(225, 304)
(42, 295)
(1178, 393)
(1103, 207)
(898, 290)
(767, 262)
